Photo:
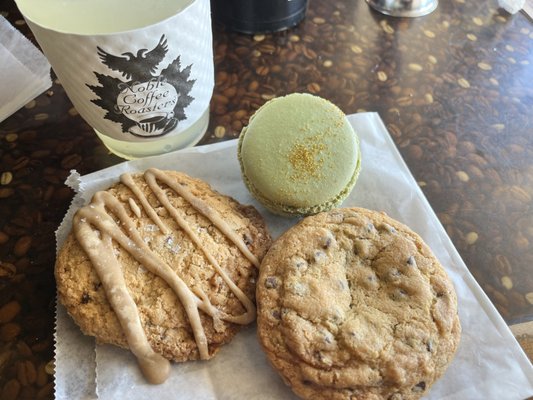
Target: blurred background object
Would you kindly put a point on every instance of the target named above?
(258, 16)
(404, 8)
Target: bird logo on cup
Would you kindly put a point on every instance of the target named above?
(145, 104)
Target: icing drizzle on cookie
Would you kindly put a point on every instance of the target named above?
(96, 229)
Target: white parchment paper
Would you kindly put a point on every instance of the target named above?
(489, 363)
(24, 71)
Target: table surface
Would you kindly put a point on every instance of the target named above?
(454, 88)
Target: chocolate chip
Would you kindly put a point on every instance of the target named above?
(419, 387)
(319, 256)
(271, 282)
(247, 239)
(362, 248)
(398, 294)
(300, 264)
(328, 336)
(85, 298)
(276, 314)
(336, 317)
(371, 282)
(326, 240)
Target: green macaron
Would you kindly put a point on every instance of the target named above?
(299, 155)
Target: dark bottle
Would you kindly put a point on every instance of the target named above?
(258, 16)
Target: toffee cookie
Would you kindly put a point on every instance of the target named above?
(353, 305)
(162, 264)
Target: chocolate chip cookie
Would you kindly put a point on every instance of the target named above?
(164, 265)
(354, 305)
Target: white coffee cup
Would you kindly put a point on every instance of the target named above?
(140, 73)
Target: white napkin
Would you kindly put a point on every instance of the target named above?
(511, 6)
(528, 8)
(24, 70)
(489, 363)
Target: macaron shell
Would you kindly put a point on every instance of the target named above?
(299, 155)
(282, 209)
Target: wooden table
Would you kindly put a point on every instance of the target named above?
(454, 88)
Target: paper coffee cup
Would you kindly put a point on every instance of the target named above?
(145, 90)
